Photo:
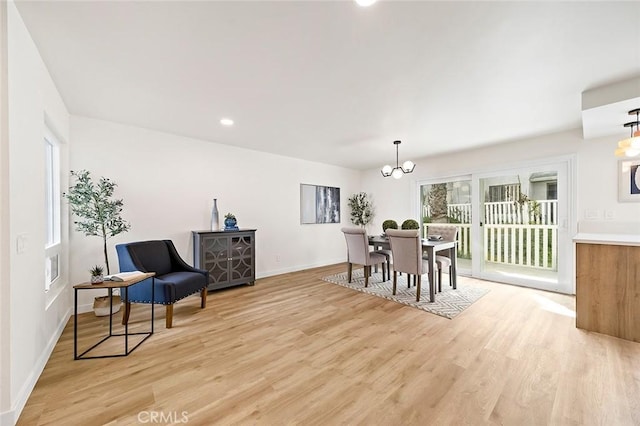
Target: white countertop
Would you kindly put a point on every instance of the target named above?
(614, 239)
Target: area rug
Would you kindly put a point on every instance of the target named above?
(448, 304)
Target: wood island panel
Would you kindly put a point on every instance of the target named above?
(608, 289)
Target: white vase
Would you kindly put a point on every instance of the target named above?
(215, 222)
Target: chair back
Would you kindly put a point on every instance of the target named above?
(406, 248)
(447, 232)
(357, 245)
(145, 256)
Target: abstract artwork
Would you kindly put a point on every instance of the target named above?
(629, 180)
(319, 204)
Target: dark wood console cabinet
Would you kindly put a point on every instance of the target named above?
(229, 256)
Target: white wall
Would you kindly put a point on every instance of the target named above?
(36, 319)
(168, 183)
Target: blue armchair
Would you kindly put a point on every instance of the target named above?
(174, 279)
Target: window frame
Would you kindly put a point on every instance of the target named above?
(53, 211)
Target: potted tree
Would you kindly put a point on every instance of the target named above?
(98, 214)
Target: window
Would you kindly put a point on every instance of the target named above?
(552, 191)
(52, 208)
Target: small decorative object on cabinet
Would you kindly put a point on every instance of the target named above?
(230, 222)
(215, 221)
(229, 256)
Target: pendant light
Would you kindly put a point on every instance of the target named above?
(630, 147)
(398, 171)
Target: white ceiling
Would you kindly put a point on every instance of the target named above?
(332, 82)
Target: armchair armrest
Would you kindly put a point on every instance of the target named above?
(178, 264)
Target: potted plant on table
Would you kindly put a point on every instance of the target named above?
(97, 274)
(389, 224)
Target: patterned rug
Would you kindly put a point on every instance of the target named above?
(448, 304)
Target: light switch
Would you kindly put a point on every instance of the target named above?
(21, 243)
(610, 214)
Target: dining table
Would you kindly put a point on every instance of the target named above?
(431, 247)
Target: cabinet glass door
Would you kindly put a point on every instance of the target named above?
(216, 258)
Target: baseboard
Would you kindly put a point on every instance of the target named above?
(7, 418)
(265, 274)
(22, 397)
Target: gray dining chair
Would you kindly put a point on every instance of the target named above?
(448, 233)
(358, 253)
(406, 248)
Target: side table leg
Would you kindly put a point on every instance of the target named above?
(153, 298)
(126, 325)
(75, 323)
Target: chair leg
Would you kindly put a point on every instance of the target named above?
(450, 277)
(395, 280)
(367, 271)
(349, 270)
(125, 313)
(408, 280)
(419, 278)
(388, 268)
(169, 316)
(439, 280)
(383, 269)
(203, 298)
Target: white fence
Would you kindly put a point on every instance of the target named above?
(514, 234)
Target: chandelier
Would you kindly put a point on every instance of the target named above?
(630, 147)
(398, 171)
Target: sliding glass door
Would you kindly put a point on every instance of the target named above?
(512, 224)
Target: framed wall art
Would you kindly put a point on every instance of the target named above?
(319, 204)
(629, 180)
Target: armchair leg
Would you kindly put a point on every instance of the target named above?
(419, 277)
(439, 280)
(203, 297)
(395, 281)
(349, 271)
(125, 313)
(169, 316)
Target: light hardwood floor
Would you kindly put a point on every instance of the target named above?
(294, 349)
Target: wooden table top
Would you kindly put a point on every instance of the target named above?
(116, 284)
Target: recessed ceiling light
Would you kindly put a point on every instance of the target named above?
(365, 3)
(226, 122)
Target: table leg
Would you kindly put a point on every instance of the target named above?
(431, 253)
